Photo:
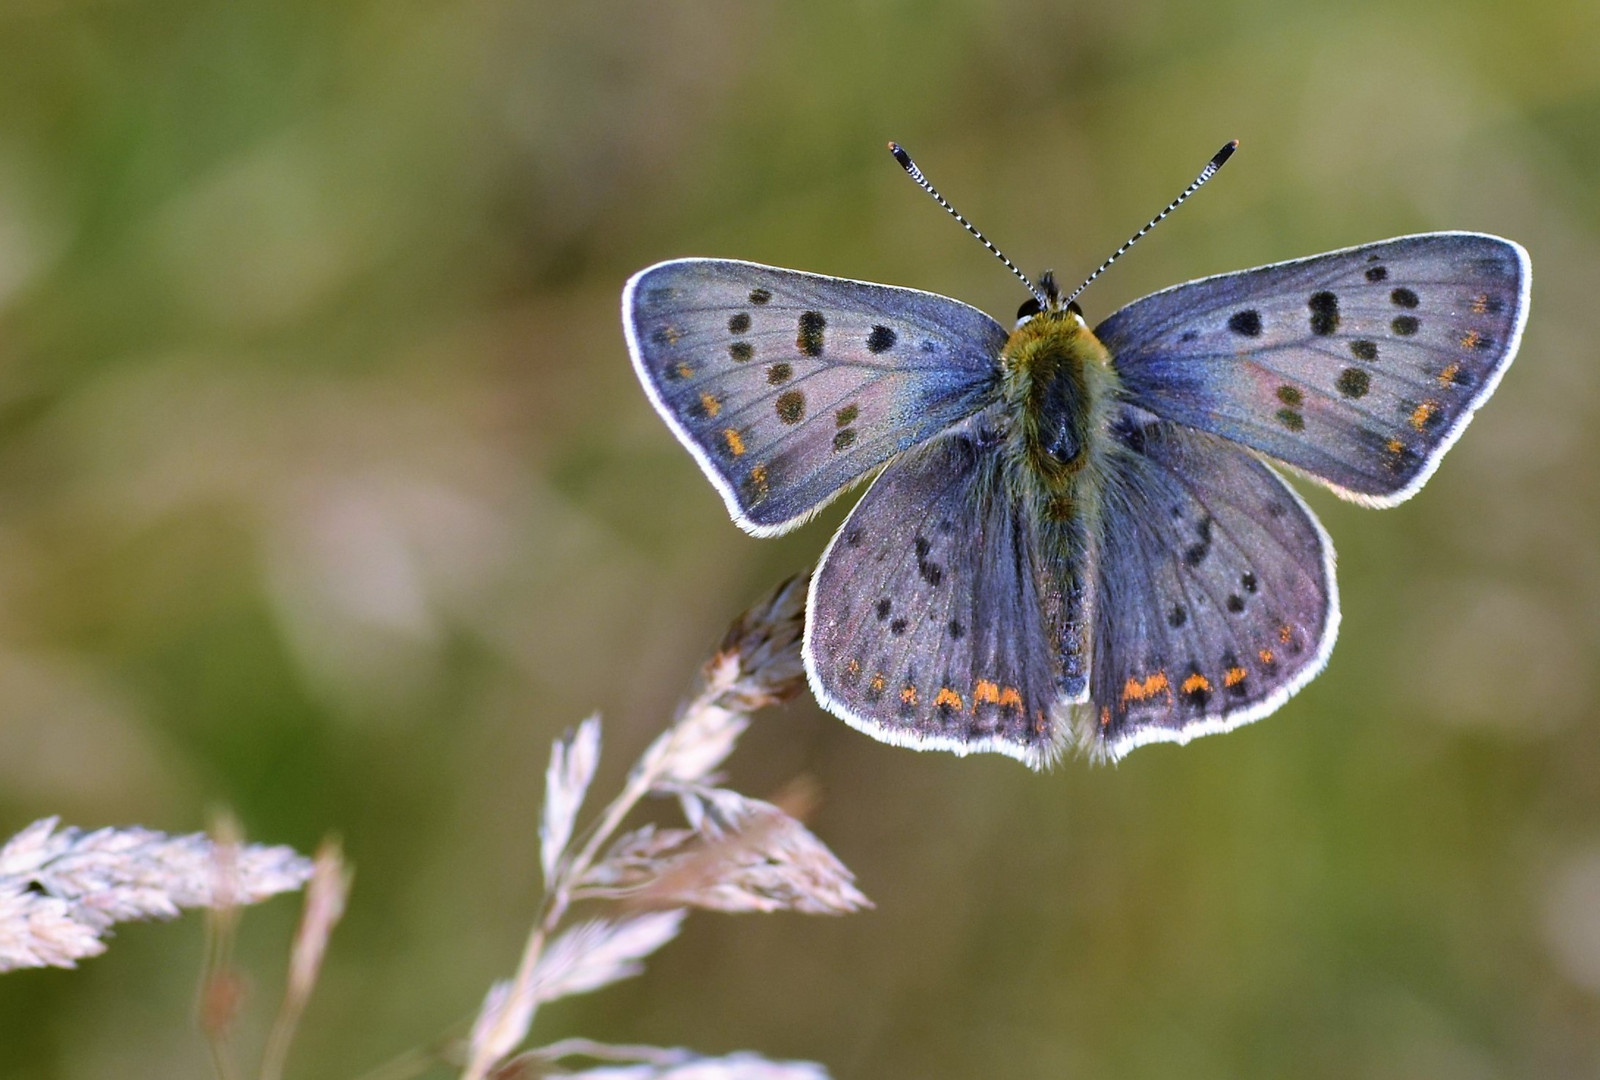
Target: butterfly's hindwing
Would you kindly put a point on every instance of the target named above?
(1359, 367)
(1216, 597)
(788, 386)
(926, 624)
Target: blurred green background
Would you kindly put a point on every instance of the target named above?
(327, 494)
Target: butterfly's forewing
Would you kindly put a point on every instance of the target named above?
(789, 386)
(1216, 596)
(1359, 367)
(928, 617)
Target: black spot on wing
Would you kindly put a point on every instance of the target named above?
(1324, 313)
(1353, 382)
(1196, 553)
(881, 339)
(808, 339)
(1246, 323)
(790, 406)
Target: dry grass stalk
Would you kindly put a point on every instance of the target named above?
(739, 854)
(222, 986)
(324, 907)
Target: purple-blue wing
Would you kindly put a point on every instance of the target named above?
(935, 621)
(788, 387)
(1215, 596)
(1359, 367)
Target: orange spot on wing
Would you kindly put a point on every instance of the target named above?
(948, 698)
(908, 694)
(1448, 375)
(1285, 632)
(735, 441)
(1471, 339)
(758, 480)
(1423, 413)
(992, 693)
(854, 665)
(710, 404)
(1105, 716)
(684, 371)
(1233, 676)
(876, 684)
(671, 334)
(1195, 682)
(1480, 304)
(1138, 690)
(1266, 656)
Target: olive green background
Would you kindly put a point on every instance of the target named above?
(327, 494)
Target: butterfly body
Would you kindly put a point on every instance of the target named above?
(1075, 536)
(1057, 383)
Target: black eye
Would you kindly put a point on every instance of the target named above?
(1029, 308)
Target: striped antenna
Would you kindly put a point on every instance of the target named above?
(916, 174)
(1206, 173)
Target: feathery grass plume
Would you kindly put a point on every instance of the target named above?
(740, 854)
(746, 856)
(656, 1063)
(61, 890)
(573, 760)
(758, 664)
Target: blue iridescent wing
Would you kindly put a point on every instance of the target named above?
(1216, 597)
(1360, 367)
(787, 387)
(933, 621)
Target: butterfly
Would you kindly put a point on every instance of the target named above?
(1075, 536)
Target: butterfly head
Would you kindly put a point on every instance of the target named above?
(1051, 305)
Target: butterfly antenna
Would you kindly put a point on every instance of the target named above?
(915, 173)
(1206, 173)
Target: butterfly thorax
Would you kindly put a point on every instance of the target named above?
(1057, 380)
